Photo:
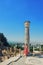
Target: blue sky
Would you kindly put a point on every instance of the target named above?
(13, 14)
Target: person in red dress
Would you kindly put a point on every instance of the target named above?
(26, 50)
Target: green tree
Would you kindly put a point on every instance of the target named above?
(3, 40)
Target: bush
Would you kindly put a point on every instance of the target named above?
(31, 49)
(42, 47)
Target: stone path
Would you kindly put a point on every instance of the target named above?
(28, 61)
(21, 61)
(7, 61)
(34, 61)
(25, 61)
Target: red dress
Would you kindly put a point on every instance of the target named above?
(26, 51)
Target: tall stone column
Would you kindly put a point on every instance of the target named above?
(27, 38)
(27, 35)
